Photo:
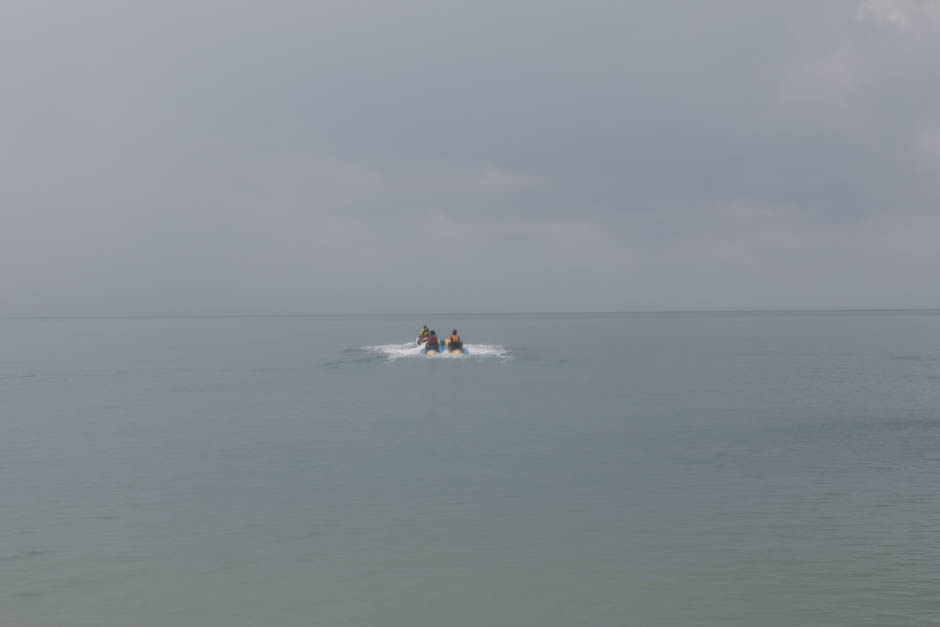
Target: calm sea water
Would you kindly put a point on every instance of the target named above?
(573, 470)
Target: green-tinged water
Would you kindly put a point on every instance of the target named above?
(771, 470)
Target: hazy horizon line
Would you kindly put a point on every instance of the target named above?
(612, 313)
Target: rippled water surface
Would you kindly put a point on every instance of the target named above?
(595, 470)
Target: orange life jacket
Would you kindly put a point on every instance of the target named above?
(455, 339)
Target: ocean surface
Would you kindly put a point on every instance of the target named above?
(771, 469)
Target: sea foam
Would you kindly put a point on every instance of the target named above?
(412, 350)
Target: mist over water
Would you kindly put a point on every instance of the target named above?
(740, 469)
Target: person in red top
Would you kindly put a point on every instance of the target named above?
(423, 334)
(433, 342)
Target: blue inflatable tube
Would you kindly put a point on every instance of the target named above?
(443, 349)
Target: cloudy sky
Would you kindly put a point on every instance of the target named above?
(324, 156)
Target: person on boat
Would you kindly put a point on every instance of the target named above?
(433, 342)
(423, 334)
(454, 342)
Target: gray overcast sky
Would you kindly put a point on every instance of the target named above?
(304, 156)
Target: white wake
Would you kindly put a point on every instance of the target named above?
(410, 349)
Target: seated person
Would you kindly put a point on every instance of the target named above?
(433, 342)
(454, 342)
(423, 334)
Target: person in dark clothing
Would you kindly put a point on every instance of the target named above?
(433, 342)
